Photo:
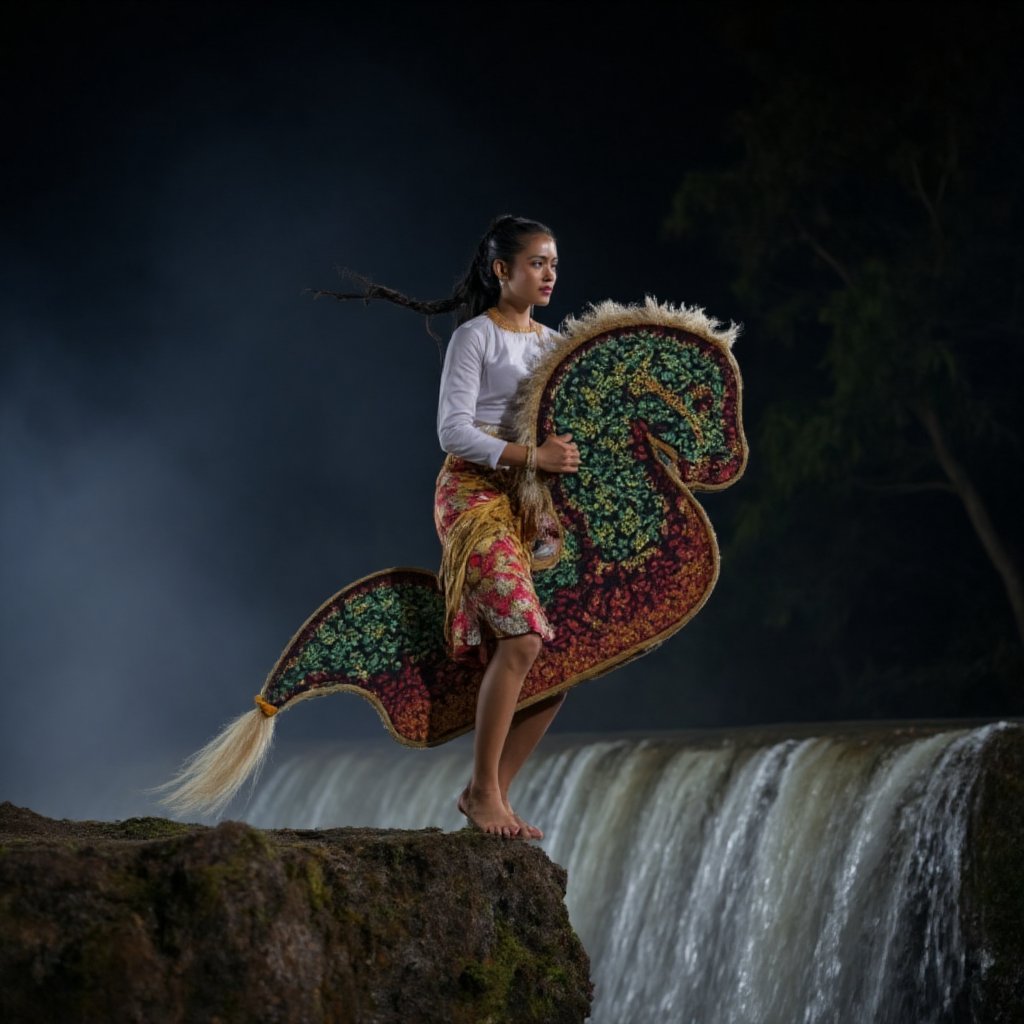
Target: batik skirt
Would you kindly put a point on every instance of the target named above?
(485, 567)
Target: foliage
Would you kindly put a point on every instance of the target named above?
(871, 218)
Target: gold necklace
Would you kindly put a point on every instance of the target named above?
(506, 325)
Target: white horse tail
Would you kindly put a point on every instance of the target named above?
(208, 780)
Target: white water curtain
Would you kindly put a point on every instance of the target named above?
(723, 880)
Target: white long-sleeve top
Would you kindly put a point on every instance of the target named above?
(482, 369)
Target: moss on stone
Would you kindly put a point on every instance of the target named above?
(514, 983)
(313, 874)
(151, 828)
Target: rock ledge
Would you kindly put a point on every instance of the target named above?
(151, 920)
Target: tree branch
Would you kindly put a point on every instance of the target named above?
(978, 515)
(823, 254)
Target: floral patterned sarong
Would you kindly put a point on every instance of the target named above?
(485, 569)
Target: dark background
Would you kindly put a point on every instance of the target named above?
(194, 453)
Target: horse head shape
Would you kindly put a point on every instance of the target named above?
(652, 396)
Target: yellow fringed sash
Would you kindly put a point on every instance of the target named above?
(517, 511)
(474, 527)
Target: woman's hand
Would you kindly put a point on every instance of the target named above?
(558, 454)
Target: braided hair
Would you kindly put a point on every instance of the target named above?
(477, 290)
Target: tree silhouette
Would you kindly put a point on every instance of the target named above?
(871, 217)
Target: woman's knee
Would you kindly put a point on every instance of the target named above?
(521, 651)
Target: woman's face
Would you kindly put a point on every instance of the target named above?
(530, 278)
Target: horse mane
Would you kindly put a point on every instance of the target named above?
(604, 316)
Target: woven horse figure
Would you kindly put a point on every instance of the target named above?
(652, 396)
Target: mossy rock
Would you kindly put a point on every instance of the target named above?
(149, 920)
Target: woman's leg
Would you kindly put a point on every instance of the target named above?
(495, 706)
(528, 727)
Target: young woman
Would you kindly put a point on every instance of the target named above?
(491, 602)
(492, 610)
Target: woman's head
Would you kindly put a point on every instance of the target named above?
(501, 254)
(507, 249)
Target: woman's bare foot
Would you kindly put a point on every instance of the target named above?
(528, 831)
(489, 814)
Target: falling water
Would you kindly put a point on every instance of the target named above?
(720, 879)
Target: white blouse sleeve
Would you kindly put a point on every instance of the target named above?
(456, 410)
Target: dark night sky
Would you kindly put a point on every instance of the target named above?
(195, 454)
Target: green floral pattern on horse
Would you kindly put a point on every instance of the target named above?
(616, 391)
(367, 636)
(384, 637)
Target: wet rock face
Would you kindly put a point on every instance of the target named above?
(994, 887)
(151, 921)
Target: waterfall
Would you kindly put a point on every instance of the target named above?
(718, 879)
